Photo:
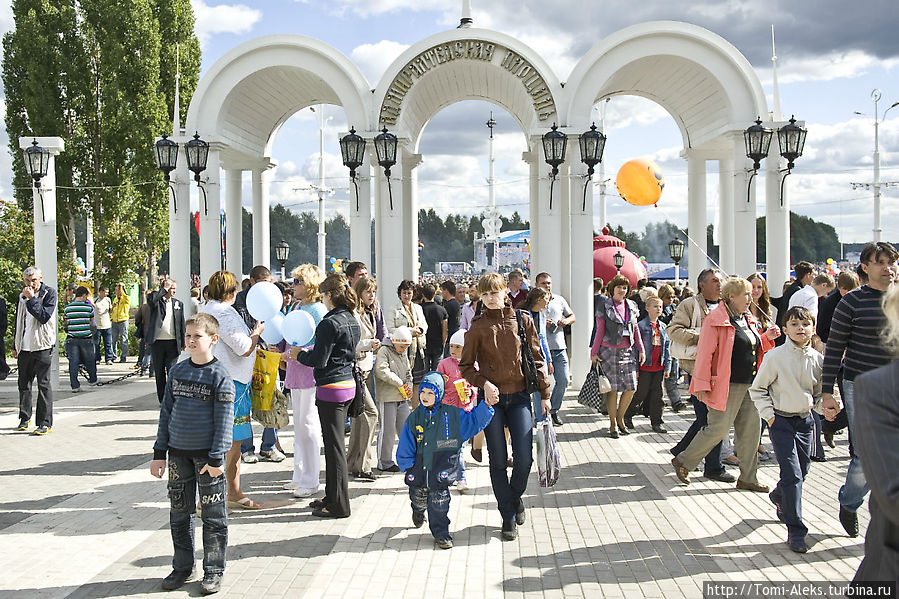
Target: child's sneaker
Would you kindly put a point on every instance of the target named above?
(445, 543)
(462, 485)
(212, 583)
(418, 519)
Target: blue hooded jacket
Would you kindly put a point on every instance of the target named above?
(428, 450)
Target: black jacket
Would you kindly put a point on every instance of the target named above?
(334, 353)
(156, 301)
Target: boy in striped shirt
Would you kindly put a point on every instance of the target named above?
(79, 315)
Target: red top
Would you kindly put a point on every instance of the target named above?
(656, 364)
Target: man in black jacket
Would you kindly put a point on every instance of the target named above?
(165, 331)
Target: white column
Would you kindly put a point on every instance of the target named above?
(180, 223)
(777, 224)
(233, 222)
(533, 204)
(727, 235)
(548, 247)
(261, 229)
(44, 199)
(210, 219)
(361, 215)
(566, 187)
(389, 232)
(411, 161)
(580, 294)
(745, 246)
(697, 218)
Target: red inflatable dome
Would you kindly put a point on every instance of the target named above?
(605, 247)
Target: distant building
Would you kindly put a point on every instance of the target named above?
(513, 250)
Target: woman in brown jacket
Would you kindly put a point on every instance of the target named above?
(493, 342)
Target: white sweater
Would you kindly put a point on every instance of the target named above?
(789, 381)
(234, 341)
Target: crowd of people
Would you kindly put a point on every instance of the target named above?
(444, 366)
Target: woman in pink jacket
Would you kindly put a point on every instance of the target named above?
(731, 346)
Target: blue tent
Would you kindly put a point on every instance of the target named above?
(667, 274)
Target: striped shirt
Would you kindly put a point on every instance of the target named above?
(197, 413)
(78, 319)
(856, 327)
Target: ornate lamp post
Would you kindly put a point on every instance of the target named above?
(385, 146)
(197, 153)
(37, 163)
(618, 261)
(790, 139)
(554, 145)
(352, 150)
(592, 144)
(282, 251)
(676, 251)
(166, 154)
(757, 139)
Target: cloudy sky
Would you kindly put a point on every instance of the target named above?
(829, 60)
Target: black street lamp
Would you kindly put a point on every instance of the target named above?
(592, 144)
(37, 163)
(352, 150)
(197, 154)
(618, 260)
(554, 144)
(676, 251)
(385, 146)
(757, 139)
(282, 251)
(166, 154)
(790, 139)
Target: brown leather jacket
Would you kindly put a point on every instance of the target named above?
(492, 342)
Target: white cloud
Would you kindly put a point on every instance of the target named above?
(367, 8)
(222, 18)
(6, 18)
(373, 59)
(825, 67)
(6, 191)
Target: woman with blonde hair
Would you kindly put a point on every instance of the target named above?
(300, 381)
(616, 346)
(731, 346)
(236, 350)
(332, 359)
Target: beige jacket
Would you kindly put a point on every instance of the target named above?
(684, 329)
(391, 371)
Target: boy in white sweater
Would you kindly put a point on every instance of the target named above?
(785, 391)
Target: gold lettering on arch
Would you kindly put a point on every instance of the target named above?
(533, 83)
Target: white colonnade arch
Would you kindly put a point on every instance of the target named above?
(706, 84)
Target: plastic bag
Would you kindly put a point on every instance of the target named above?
(549, 459)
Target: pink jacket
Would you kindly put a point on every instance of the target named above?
(713, 355)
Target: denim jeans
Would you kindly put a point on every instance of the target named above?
(437, 503)
(120, 339)
(513, 411)
(106, 336)
(269, 438)
(184, 480)
(792, 441)
(80, 350)
(143, 357)
(713, 465)
(852, 493)
(559, 359)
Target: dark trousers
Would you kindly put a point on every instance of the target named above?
(332, 416)
(671, 388)
(432, 359)
(143, 356)
(80, 351)
(165, 354)
(648, 397)
(817, 445)
(106, 336)
(513, 411)
(4, 367)
(36, 364)
(713, 465)
(184, 479)
(792, 441)
(437, 504)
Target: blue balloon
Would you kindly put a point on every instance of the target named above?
(333, 260)
(271, 334)
(298, 328)
(264, 300)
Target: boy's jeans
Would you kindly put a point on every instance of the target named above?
(184, 478)
(436, 502)
(792, 441)
(559, 359)
(852, 493)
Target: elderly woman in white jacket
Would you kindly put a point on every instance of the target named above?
(409, 314)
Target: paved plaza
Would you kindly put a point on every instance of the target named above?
(80, 516)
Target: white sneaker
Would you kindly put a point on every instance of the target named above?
(272, 456)
(461, 485)
(249, 458)
(304, 492)
(290, 486)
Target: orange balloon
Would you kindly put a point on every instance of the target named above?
(640, 182)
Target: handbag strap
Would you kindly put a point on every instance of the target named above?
(522, 336)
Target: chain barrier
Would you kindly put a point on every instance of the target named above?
(100, 383)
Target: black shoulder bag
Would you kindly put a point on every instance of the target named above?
(528, 366)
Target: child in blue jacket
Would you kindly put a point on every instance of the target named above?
(428, 452)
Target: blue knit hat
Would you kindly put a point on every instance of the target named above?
(434, 381)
